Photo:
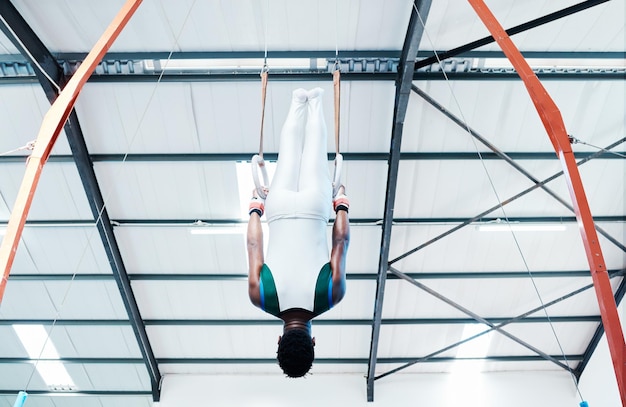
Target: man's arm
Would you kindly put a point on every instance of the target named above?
(340, 243)
(254, 240)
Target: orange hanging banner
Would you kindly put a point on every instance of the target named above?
(51, 127)
(554, 125)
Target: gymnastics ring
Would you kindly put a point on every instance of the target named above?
(337, 174)
(258, 162)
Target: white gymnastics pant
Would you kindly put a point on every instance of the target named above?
(301, 187)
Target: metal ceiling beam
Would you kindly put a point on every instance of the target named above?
(456, 120)
(321, 322)
(328, 54)
(455, 275)
(511, 31)
(419, 15)
(349, 156)
(357, 222)
(491, 74)
(52, 79)
(272, 361)
(498, 206)
(62, 57)
(105, 393)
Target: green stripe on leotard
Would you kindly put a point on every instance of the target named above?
(269, 296)
(323, 290)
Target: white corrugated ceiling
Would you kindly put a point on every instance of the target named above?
(165, 155)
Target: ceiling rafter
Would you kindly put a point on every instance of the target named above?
(348, 156)
(454, 275)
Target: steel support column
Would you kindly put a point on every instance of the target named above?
(555, 127)
(406, 68)
(52, 79)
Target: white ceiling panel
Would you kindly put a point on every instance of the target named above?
(59, 194)
(224, 117)
(364, 249)
(365, 184)
(62, 299)
(224, 25)
(16, 376)
(471, 250)
(22, 108)
(592, 112)
(176, 250)
(35, 400)
(69, 250)
(568, 336)
(477, 187)
(489, 298)
(452, 23)
(86, 377)
(6, 47)
(95, 341)
(214, 341)
(191, 190)
(195, 300)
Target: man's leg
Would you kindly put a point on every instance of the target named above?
(314, 175)
(291, 144)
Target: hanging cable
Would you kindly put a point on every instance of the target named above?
(28, 146)
(337, 100)
(264, 77)
(338, 156)
(575, 140)
(494, 190)
(257, 160)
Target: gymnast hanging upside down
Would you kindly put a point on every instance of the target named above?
(298, 279)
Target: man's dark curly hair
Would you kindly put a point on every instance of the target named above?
(295, 352)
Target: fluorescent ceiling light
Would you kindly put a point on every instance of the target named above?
(38, 345)
(208, 229)
(521, 227)
(203, 65)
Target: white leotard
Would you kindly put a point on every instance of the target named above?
(299, 203)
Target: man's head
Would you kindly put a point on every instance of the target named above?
(296, 352)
